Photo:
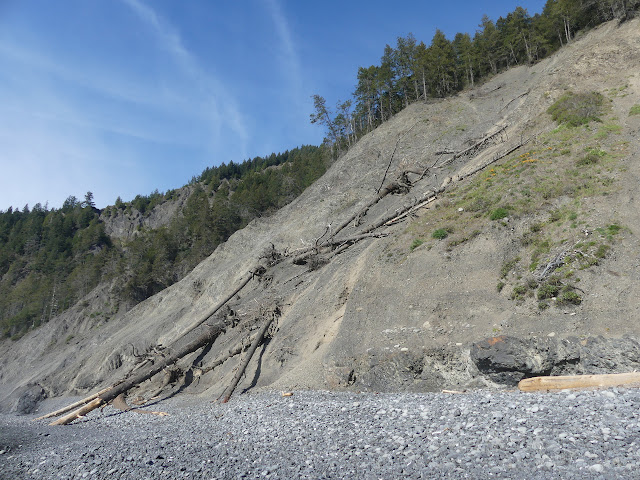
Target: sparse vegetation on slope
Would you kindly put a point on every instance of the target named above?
(546, 190)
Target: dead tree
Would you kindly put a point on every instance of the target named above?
(475, 147)
(257, 271)
(205, 338)
(384, 177)
(226, 396)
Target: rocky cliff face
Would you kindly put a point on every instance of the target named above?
(125, 225)
(411, 305)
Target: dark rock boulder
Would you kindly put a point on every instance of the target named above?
(507, 360)
(28, 399)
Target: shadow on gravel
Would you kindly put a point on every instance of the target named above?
(16, 438)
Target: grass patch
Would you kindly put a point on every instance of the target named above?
(499, 213)
(415, 244)
(459, 241)
(607, 129)
(602, 251)
(508, 266)
(440, 234)
(614, 229)
(635, 110)
(575, 109)
(591, 158)
(569, 297)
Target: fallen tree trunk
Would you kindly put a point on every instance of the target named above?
(388, 218)
(537, 384)
(411, 210)
(68, 408)
(256, 272)
(474, 147)
(223, 358)
(81, 412)
(206, 338)
(302, 259)
(393, 154)
(226, 396)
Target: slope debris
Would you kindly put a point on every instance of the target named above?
(531, 216)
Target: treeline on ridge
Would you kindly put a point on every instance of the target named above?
(51, 258)
(412, 71)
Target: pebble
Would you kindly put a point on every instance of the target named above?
(314, 434)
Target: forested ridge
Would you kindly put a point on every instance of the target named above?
(51, 258)
(412, 71)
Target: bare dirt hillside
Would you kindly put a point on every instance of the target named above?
(523, 261)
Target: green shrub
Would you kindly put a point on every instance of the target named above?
(499, 213)
(635, 110)
(440, 234)
(614, 229)
(577, 109)
(588, 159)
(569, 298)
(508, 266)
(500, 286)
(555, 215)
(602, 250)
(548, 291)
(416, 243)
(518, 292)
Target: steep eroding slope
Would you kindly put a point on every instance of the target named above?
(410, 310)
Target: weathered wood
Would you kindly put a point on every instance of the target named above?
(81, 412)
(243, 366)
(473, 147)
(73, 405)
(219, 305)
(302, 259)
(424, 203)
(392, 155)
(223, 358)
(121, 404)
(514, 99)
(536, 384)
(206, 338)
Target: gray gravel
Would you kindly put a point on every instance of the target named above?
(483, 434)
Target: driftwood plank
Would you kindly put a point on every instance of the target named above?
(579, 381)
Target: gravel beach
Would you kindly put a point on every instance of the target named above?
(314, 434)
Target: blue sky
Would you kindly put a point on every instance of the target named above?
(122, 97)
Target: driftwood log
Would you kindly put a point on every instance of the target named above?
(204, 339)
(537, 384)
(77, 404)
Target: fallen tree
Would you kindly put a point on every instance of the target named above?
(123, 387)
(226, 396)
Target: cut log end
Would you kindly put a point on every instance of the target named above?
(538, 384)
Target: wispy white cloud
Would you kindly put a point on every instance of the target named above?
(221, 108)
(289, 56)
